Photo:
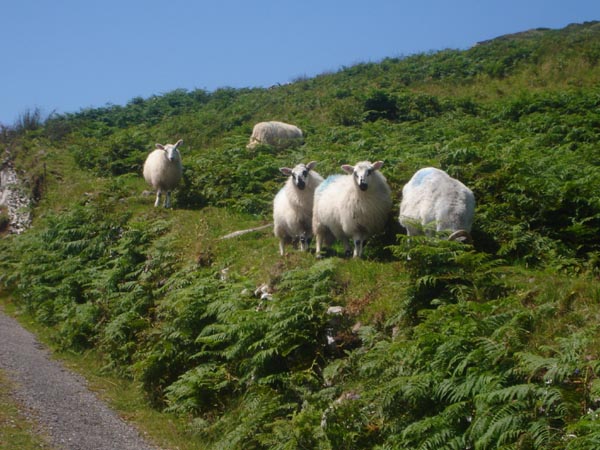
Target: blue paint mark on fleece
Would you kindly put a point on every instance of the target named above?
(421, 175)
(326, 182)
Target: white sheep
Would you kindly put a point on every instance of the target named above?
(163, 170)
(352, 206)
(293, 205)
(433, 201)
(277, 134)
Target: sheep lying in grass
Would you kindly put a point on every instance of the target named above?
(277, 134)
(432, 201)
(353, 206)
(293, 205)
(163, 170)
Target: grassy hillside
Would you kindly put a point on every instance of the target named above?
(494, 345)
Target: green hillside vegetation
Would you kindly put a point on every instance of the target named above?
(441, 345)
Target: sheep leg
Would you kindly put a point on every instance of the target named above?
(157, 202)
(281, 245)
(357, 248)
(168, 199)
(304, 242)
(318, 244)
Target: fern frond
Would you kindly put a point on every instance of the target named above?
(505, 427)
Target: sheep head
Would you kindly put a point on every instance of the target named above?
(362, 172)
(171, 149)
(299, 173)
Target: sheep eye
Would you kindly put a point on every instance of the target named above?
(369, 171)
(305, 173)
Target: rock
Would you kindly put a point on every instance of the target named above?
(14, 198)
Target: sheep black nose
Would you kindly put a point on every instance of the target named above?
(363, 186)
(300, 183)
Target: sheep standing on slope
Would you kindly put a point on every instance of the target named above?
(293, 205)
(163, 170)
(434, 201)
(353, 206)
(277, 134)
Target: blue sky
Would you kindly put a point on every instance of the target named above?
(67, 55)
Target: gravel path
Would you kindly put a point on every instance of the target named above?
(73, 417)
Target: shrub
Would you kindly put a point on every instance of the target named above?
(380, 105)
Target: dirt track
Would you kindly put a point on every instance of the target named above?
(59, 400)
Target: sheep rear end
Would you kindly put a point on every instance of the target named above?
(434, 202)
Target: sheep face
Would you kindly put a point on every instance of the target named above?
(362, 172)
(299, 173)
(171, 150)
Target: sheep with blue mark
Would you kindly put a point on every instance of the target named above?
(353, 206)
(163, 170)
(433, 202)
(293, 206)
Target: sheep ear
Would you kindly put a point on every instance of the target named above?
(311, 164)
(286, 170)
(179, 142)
(160, 146)
(377, 165)
(348, 168)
